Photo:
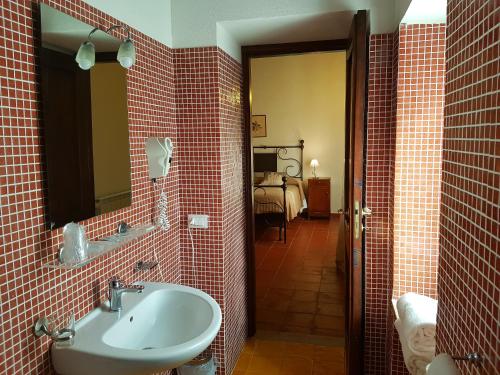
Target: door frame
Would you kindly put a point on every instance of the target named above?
(247, 53)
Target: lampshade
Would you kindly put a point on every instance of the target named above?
(86, 56)
(126, 54)
(314, 163)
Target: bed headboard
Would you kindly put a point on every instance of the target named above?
(268, 161)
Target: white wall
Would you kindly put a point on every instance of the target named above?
(303, 97)
(151, 17)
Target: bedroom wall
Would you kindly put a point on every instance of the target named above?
(303, 97)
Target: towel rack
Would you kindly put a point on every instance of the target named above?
(474, 358)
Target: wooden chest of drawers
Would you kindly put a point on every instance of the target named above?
(318, 197)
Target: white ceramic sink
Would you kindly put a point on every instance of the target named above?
(161, 328)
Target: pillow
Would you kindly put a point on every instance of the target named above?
(272, 178)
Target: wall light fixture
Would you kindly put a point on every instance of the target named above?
(126, 53)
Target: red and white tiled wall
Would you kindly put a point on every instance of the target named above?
(380, 145)
(191, 96)
(209, 117)
(417, 180)
(195, 94)
(469, 272)
(405, 120)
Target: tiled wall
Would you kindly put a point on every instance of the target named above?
(200, 110)
(197, 99)
(379, 158)
(419, 127)
(469, 268)
(232, 153)
(28, 290)
(405, 120)
(208, 89)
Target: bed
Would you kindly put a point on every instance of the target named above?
(278, 194)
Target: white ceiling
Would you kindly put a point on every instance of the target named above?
(230, 24)
(296, 28)
(425, 11)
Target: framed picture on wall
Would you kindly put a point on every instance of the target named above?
(259, 126)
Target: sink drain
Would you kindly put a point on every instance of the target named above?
(148, 348)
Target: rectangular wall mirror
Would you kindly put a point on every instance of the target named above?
(85, 121)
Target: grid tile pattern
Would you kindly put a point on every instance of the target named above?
(234, 227)
(392, 355)
(419, 127)
(379, 183)
(28, 290)
(209, 117)
(197, 99)
(469, 268)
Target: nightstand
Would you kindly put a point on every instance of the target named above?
(318, 202)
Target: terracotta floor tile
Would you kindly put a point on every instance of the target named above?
(276, 327)
(328, 354)
(299, 319)
(265, 365)
(329, 322)
(270, 316)
(300, 278)
(270, 348)
(308, 330)
(243, 362)
(312, 286)
(297, 349)
(249, 346)
(305, 296)
(296, 366)
(302, 307)
(331, 309)
(328, 368)
(275, 303)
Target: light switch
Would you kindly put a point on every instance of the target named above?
(198, 221)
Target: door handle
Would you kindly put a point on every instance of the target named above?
(357, 219)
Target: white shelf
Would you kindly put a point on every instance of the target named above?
(104, 246)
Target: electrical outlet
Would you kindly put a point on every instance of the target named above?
(198, 221)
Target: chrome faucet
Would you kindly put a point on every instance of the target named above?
(116, 289)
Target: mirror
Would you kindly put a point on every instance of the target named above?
(85, 121)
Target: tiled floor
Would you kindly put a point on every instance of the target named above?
(298, 287)
(264, 357)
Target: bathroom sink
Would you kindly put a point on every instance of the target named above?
(161, 328)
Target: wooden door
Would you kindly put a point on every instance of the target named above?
(357, 58)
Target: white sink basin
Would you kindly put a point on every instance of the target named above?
(161, 328)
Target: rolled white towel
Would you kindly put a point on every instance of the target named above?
(442, 364)
(418, 322)
(415, 363)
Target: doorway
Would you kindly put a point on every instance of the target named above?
(351, 225)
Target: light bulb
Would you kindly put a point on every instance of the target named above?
(86, 56)
(126, 54)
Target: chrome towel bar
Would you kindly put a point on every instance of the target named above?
(474, 358)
